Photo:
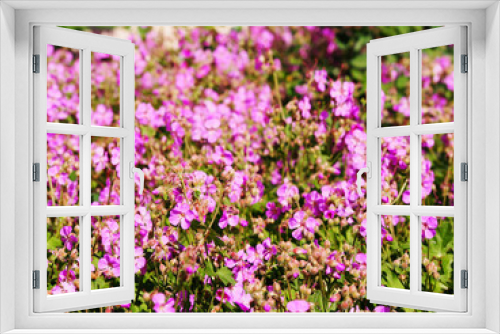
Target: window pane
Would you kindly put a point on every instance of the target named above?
(105, 267)
(105, 185)
(395, 261)
(437, 169)
(105, 89)
(63, 169)
(437, 84)
(63, 256)
(437, 254)
(395, 95)
(395, 169)
(63, 85)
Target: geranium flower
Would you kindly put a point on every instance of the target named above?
(228, 217)
(382, 308)
(300, 225)
(109, 265)
(286, 193)
(266, 250)
(160, 306)
(67, 237)
(429, 225)
(182, 214)
(273, 211)
(241, 298)
(298, 306)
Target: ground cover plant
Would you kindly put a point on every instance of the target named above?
(250, 139)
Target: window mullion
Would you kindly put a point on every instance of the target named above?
(85, 166)
(415, 167)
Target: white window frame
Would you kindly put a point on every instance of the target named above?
(484, 51)
(86, 43)
(413, 44)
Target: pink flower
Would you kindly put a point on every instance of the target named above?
(300, 225)
(298, 306)
(429, 225)
(382, 308)
(273, 211)
(110, 266)
(286, 193)
(321, 78)
(67, 237)
(160, 306)
(228, 217)
(305, 107)
(241, 298)
(182, 214)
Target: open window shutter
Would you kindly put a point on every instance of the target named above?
(436, 232)
(83, 250)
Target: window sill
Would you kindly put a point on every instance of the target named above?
(250, 331)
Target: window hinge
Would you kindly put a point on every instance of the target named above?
(36, 172)
(36, 279)
(465, 64)
(465, 279)
(36, 63)
(464, 172)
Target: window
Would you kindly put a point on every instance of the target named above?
(481, 102)
(68, 153)
(433, 75)
(418, 208)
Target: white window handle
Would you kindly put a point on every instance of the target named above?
(368, 171)
(134, 170)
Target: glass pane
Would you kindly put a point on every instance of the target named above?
(395, 169)
(105, 185)
(63, 85)
(437, 254)
(437, 169)
(395, 261)
(63, 256)
(395, 95)
(63, 169)
(437, 84)
(105, 89)
(105, 267)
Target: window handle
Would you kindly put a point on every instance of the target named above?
(368, 171)
(134, 170)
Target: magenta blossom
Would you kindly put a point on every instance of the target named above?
(300, 225)
(429, 225)
(110, 265)
(298, 306)
(182, 214)
(228, 217)
(287, 192)
(161, 306)
(382, 308)
(67, 237)
(273, 211)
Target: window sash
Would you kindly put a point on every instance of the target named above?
(413, 43)
(85, 298)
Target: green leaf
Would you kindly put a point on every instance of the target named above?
(226, 276)
(209, 269)
(54, 243)
(393, 280)
(359, 61)
(72, 176)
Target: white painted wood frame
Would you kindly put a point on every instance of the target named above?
(85, 297)
(414, 43)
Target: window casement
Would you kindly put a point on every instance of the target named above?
(73, 218)
(414, 131)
